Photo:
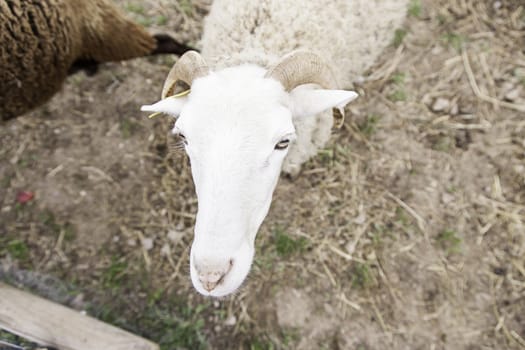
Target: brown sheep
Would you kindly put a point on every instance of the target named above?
(42, 41)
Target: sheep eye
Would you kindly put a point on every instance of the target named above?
(283, 144)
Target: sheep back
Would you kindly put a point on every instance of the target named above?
(348, 34)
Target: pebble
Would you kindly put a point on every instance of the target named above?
(361, 218)
(507, 86)
(230, 321)
(165, 250)
(360, 79)
(350, 248)
(147, 243)
(446, 198)
(440, 104)
(437, 50)
(454, 110)
(174, 235)
(467, 109)
(513, 94)
(78, 302)
(519, 73)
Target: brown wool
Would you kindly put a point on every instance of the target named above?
(41, 41)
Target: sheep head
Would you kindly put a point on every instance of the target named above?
(237, 125)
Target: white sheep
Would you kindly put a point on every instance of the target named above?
(267, 78)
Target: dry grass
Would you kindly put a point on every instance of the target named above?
(407, 231)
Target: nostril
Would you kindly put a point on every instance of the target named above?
(210, 276)
(211, 280)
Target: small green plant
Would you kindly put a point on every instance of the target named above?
(454, 40)
(449, 241)
(16, 341)
(69, 232)
(520, 74)
(113, 276)
(369, 126)
(47, 218)
(161, 20)
(398, 95)
(127, 128)
(135, 8)
(186, 7)
(378, 233)
(286, 245)
(399, 36)
(443, 19)
(6, 181)
(172, 324)
(27, 160)
(18, 249)
(140, 14)
(398, 78)
(290, 337)
(326, 155)
(443, 143)
(154, 296)
(180, 330)
(221, 314)
(414, 8)
(361, 277)
(402, 219)
(261, 344)
(265, 260)
(145, 21)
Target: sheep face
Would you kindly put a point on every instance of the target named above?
(236, 126)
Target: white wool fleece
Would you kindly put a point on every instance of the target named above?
(348, 34)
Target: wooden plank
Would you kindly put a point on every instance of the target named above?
(51, 324)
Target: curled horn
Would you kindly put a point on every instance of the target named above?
(189, 67)
(303, 67)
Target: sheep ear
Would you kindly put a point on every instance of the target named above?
(170, 105)
(308, 102)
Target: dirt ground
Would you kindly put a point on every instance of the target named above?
(406, 232)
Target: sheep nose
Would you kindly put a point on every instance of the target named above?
(212, 274)
(210, 280)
